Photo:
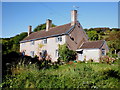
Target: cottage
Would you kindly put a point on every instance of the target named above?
(92, 50)
(47, 41)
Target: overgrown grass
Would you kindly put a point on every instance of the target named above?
(75, 75)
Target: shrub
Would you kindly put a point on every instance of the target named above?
(72, 75)
(66, 54)
(107, 59)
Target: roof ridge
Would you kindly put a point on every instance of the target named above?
(59, 26)
(95, 41)
(51, 28)
(61, 29)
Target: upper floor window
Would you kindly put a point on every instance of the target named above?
(59, 39)
(32, 54)
(44, 41)
(32, 43)
(103, 51)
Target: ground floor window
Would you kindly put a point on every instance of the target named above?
(56, 53)
(44, 53)
(103, 52)
(23, 53)
(32, 54)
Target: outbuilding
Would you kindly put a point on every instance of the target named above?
(92, 50)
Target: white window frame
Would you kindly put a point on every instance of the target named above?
(32, 54)
(56, 53)
(59, 39)
(32, 43)
(45, 41)
(103, 52)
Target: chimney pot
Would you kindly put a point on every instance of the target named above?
(29, 30)
(48, 24)
(73, 17)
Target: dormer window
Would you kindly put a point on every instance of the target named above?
(44, 41)
(59, 39)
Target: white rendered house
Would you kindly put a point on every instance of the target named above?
(48, 40)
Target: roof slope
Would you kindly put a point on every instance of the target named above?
(52, 31)
(92, 44)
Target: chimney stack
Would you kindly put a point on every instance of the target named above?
(29, 30)
(73, 17)
(48, 24)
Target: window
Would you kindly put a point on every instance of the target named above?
(44, 53)
(103, 51)
(56, 53)
(32, 54)
(23, 53)
(32, 43)
(59, 39)
(44, 41)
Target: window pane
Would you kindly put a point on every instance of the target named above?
(32, 53)
(56, 53)
(32, 43)
(59, 39)
(44, 41)
(103, 51)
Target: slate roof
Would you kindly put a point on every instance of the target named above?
(58, 30)
(92, 44)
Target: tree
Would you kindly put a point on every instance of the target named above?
(114, 41)
(93, 35)
(12, 44)
(41, 27)
(66, 54)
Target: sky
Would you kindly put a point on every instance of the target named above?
(16, 16)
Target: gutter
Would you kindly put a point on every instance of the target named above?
(66, 33)
(42, 38)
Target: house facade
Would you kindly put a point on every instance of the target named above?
(48, 40)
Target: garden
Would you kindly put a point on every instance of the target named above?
(69, 75)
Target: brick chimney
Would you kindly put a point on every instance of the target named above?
(48, 24)
(29, 30)
(73, 17)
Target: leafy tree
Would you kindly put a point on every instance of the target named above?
(93, 35)
(41, 27)
(91, 29)
(114, 40)
(19, 37)
(86, 29)
(66, 54)
(12, 44)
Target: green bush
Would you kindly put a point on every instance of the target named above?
(66, 54)
(76, 75)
